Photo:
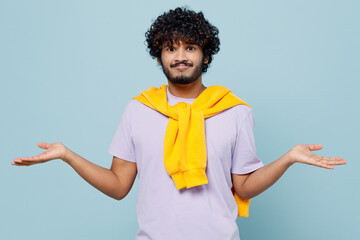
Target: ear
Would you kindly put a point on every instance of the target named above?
(159, 61)
(206, 60)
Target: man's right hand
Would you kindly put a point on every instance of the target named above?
(54, 151)
(115, 182)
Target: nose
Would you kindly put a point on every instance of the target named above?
(180, 55)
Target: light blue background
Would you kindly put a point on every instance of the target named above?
(68, 68)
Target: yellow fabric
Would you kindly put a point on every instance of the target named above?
(185, 156)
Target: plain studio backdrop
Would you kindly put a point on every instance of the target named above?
(68, 68)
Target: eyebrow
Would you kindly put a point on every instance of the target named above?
(173, 43)
(185, 43)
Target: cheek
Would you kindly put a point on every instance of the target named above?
(165, 59)
(199, 59)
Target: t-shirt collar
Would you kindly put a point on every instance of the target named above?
(174, 100)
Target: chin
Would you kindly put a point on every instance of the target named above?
(182, 80)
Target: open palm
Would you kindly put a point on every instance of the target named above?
(302, 153)
(54, 151)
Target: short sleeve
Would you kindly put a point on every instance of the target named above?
(244, 158)
(122, 145)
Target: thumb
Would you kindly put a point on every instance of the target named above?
(315, 147)
(43, 145)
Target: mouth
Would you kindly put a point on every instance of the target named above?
(181, 66)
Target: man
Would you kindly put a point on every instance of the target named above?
(192, 146)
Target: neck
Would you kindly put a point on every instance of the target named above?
(191, 90)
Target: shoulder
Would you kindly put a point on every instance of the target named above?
(237, 115)
(134, 105)
(241, 111)
(132, 108)
(135, 110)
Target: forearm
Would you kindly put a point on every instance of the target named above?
(263, 178)
(101, 178)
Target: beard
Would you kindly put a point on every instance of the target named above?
(181, 79)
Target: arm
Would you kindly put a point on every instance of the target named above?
(115, 182)
(252, 184)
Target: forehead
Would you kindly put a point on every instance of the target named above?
(179, 41)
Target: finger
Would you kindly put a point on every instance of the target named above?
(327, 162)
(28, 163)
(318, 161)
(315, 147)
(36, 158)
(43, 145)
(334, 160)
(41, 156)
(32, 162)
(323, 165)
(328, 167)
(329, 159)
(19, 163)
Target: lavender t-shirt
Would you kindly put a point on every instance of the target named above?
(206, 212)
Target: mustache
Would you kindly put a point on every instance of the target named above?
(179, 63)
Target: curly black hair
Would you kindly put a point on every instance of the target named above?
(184, 25)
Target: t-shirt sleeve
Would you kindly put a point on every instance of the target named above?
(245, 159)
(122, 145)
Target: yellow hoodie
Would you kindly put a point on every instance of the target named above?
(184, 144)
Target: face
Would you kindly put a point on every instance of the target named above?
(182, 63)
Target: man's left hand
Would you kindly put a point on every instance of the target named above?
(302, 153)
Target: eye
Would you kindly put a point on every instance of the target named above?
(191, 48)
(170, 49)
